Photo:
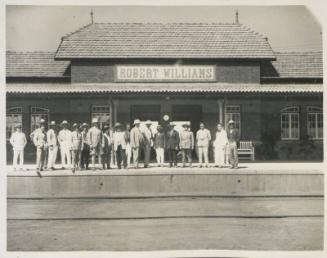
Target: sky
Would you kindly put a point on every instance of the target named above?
(40, 28)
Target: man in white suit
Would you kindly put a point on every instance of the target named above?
(18, 142)
(53, 145)
(65, 141)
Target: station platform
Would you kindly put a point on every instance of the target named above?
(251, 179)
(260, 206)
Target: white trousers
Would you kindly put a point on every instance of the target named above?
(65, 154)
(128, 152)
(220, 152)
(52, 156)
(203, 152)
(160, 156)
(18, 154)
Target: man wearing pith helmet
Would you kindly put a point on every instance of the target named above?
(94, 138)
(233, 138)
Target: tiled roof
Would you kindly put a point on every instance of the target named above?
(162, 87)
(294, 65)
(35, 64)
(164, 40)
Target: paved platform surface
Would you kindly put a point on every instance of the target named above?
(253, 168)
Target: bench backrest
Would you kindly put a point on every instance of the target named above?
(246, 145)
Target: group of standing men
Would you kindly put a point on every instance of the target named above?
(121, 144)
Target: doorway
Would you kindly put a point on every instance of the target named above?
(191, 113)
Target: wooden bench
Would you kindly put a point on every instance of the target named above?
(246, 150)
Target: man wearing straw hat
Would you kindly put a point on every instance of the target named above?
(53, 145)
(65, 141)
(186, 144)
(119, 144)
(94, 138)
(233, 138)
(136, 141)
(18, 142)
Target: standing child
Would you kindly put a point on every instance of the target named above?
(18, 142)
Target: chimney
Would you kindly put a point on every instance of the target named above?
(91, 14)
(236, 17)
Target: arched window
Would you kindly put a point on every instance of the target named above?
(14, 117)
(315, 122)
(290, 123)
(38, 113)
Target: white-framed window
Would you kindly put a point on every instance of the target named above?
(14, 117)
(290, 123)
(315, 122)
(233, 112)
(102, 112)
(38, 113)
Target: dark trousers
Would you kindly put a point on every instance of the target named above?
(85, 158)
(186, 154)
(172, 156)
(147, 153)
(106, 158)
(121, 157)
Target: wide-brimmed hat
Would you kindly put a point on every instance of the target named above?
(84, 125)
(75, 125)
(148, 122)
(231, 122)
(42, 121)
(171, 124)
(95, 120)
(52, 123)
(137, 121)
(106, 127)
(186, 125)
(117, 124)
(64, 122)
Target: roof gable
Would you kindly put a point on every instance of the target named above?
(35, 64)
(170, 40)
(294, 65)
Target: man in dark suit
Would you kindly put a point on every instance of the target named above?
(233, 136)
(172, 145)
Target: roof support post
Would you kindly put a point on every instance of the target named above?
(221, 108)
(110, 110)
(115, 107)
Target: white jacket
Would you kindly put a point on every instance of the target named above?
(18, 140)
(51, 138)
(221, 139)
(65, 138)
